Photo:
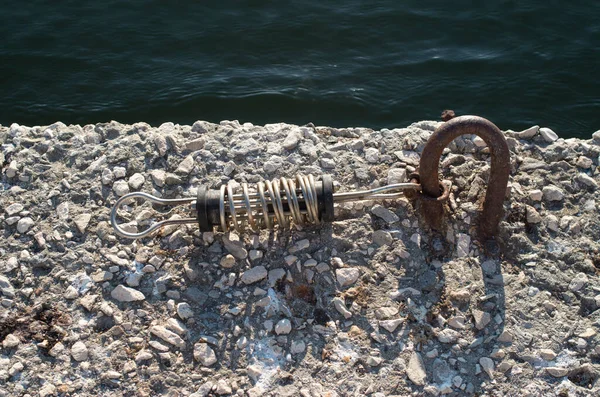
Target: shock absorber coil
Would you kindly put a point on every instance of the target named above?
(280, 202)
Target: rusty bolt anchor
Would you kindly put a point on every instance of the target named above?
(433, 210)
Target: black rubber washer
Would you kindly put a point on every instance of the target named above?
(201, 209)
(325, 199)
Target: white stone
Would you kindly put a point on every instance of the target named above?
(47, 390)
(347, 276)
(479, 142)
(10, 341)
(107, 177)
(548, 135)
(253, 275)
(529, 132)
(79, 351)
(186, 166)
(14, 209)
(487, 364)
(12, 169)
(481, 318)
(120, 188)
(223, 388)
(586, 180)
(533, 216)
(382, 237)
(557, 372)
(372, 155)
(136, 181)
(168, 336)
(24, 224)
(391, 325)
(535, 195)
(204, 354)
(547, 354)
(119, 172)
(416, 369)
(283, 327)
(385, 214)
(126, 294)
(463, 241)
(447, 335)
(184, 310)
(340, 306)
(297, 347)
(578, 282)
(291, 140)
(82, 221)
(396, 175)
(553, 193)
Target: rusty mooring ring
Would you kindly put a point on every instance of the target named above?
(500, 169)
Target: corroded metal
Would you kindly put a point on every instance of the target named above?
(500, 169)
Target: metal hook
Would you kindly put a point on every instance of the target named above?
(499, 173)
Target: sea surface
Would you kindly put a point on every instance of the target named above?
(378, 64)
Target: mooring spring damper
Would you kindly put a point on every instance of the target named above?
(498, 181)
(302, 200)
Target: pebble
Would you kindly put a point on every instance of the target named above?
(291, 140)
(535, 195)
(255, 255)
(586, 180)
(557, 372)
(463, 242)
(121, 188)
(48, 389)
(283, 327)
(136, 181)
(533, 216)
(347, 276)
(396, 175)
(391, 325)
(385, 214)
(297, 347)
(447, 335)
(203, 390)
(186, 166)
(481, 318)
(168, 336)
(204, 354)
(382, 237)
(25, 224)
(126, 294)
(223, 388)
(10, 341)
(6, 287)
(82, 221)
(547, 354)
(416, 369)
(107, 177)
(578, 282)
(372, 155)
(254, 275)
(228, 261)
(487, 364)
(340, 306)
(14, 209)
(79, 351)
(529, 132)
(235, 247)
(184, 310)
(552, 193)
(548, 135)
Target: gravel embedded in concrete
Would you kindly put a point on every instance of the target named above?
(372, 304)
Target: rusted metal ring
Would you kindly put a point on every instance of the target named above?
(499, 173)
(445, 187)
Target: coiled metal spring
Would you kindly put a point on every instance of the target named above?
(279, 202)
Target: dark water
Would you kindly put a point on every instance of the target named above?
(340, 63)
